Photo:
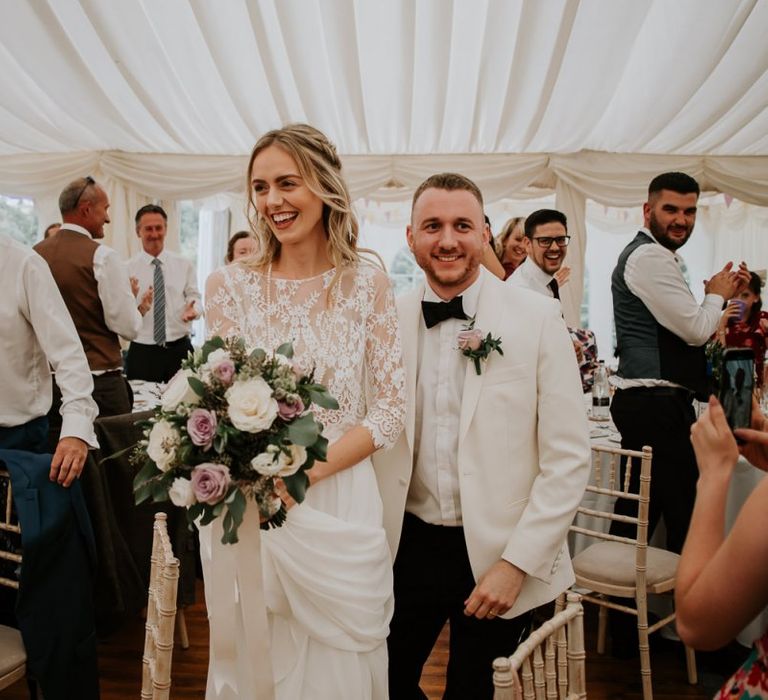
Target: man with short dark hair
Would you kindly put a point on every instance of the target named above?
(546, 236)
(95, 287)
(660, 335)
(163, 341)
(477, 505)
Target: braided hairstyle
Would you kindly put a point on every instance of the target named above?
(320, 167)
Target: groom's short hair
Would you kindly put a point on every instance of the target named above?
(450, 182)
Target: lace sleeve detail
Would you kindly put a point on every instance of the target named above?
(221, 306)
(384, 367)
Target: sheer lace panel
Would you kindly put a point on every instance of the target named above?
(353, 343)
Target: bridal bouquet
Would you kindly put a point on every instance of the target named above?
(229, 425)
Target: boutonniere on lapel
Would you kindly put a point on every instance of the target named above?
(476, 347)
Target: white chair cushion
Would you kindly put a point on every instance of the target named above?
(614, 564)
(12, 654)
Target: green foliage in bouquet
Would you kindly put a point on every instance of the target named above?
(230, 424)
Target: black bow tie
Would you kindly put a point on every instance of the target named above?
(437, 311)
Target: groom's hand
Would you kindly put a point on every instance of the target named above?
(496, 591)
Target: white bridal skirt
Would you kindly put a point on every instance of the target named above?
(326, 587)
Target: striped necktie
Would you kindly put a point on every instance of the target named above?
(158, 313)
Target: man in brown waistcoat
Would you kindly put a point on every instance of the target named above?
(96, 290)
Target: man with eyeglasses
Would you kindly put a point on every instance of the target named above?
(546, 235)
(96, 290)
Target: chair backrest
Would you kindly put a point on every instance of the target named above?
(10, 532)
(549, 664)
(161, 615)
(605, 486)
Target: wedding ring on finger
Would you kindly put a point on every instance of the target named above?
(491, 614)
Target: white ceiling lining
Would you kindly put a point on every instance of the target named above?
(403, 76)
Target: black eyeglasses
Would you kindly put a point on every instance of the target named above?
(547, 241)
(88, 182)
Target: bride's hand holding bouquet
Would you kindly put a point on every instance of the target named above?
(232, 426)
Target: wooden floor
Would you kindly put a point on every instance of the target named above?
(607, 678)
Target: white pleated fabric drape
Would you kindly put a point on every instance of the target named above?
(132, 180)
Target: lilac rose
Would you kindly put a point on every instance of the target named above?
(224, 371)
(201, 427)
(470, 339)
(210, 482)
(289, 411)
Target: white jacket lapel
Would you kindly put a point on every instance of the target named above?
(410, 318)
(487, 320)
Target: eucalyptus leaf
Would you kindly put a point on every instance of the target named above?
(195, 511)
(303, 431)
(286, 349)
(322, 398)
(297, 485)
(237, 504)
(208, 516)
(197, 386)
(142, 492)
(258, 354)
(148, 471)
(215, 343)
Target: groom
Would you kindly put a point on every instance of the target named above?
(482, 485)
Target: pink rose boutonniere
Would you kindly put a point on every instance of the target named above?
(473, 345)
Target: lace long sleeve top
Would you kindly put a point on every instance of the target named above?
(349, 337)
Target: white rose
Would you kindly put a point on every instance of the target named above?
(251, 406)
(178, 391)
(163, 441)
(181, 493)
(214, 359)
(289, 464)
(265, 464)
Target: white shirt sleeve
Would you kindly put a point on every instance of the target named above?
(653, 275)
(121, 312)
(57, 336)
(191, 292)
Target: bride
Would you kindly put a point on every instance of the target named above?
(327, 572)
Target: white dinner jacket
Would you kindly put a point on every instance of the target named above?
(523, 441)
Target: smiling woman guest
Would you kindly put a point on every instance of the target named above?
(327, 569)
(241, 245)
(510, 245)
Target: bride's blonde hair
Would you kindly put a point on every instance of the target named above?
(320, 168)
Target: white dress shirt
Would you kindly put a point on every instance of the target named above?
(434, 491)
(530, 276)
(121, 313)
(180, 288)
(38, 330)
(653, 273)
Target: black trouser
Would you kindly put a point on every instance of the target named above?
(156, 363)
(661, 418)
(433, 578)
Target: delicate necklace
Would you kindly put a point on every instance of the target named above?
(325, 341)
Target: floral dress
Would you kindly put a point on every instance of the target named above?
(750, 682)
(327, 571)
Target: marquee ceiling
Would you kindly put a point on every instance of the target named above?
(386, 76)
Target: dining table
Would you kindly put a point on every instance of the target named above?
(123, 529)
